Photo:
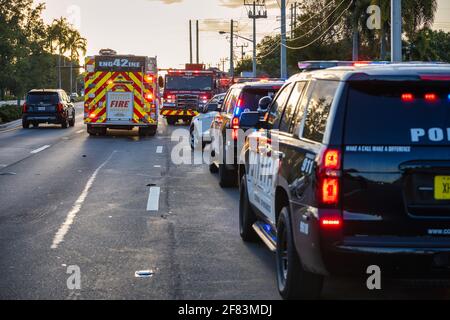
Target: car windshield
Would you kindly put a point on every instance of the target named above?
(200, 83)
(42, 97)
(412, 112)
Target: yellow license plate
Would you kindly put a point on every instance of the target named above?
(442, 188)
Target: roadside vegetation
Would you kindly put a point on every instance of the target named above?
(10, 113)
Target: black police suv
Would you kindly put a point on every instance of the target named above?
(240, 98)
(48, 106)
(352, 170)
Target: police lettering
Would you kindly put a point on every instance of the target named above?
(431, 135)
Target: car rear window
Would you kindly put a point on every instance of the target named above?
(394, 113)
(42, 97)
(251, 97)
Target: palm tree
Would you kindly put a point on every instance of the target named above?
(77, 45)
(58, 37)
(418, 14)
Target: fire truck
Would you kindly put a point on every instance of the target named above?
(186, 91)
(121, 92)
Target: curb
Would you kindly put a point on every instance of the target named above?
(10, 125)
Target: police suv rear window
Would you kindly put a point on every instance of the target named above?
(42, 97)
(252, 96)
(398, 113)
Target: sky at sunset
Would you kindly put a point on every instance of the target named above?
(161, 27)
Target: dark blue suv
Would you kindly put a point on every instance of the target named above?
(48, 106)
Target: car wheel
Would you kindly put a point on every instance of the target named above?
(152, 131)
(247, 217)
(35, 125)
(65, 124)
(213, 168)
(102, 131)
(25, 124)
(293, 281)
(72, 121)
(172, 121)
(227, 178)
(194, 139)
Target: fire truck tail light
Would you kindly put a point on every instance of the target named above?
(149, 97)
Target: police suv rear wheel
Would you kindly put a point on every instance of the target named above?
(293, 281)
(246, 215)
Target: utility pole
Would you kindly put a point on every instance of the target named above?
(242, 47)
(295, 17)
(292, 20)
(256, 10)
(283, 68)
(232, 50)
(198, 43)
(396, 30)
(190, 42)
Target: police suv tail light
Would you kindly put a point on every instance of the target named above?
(235, 125)
(329, 178)
(60, 107)
(24, 108)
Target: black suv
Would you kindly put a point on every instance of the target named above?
(352, 170)
(48, 106)
(240, 98)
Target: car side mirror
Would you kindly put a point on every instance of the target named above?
(161, 82)
(249, 120)
(264, 104)
(212, 107)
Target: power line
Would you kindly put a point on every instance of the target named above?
(328, 29)
(320, 24)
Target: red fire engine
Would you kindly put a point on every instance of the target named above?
(186, 91)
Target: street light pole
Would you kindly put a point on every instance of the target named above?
(232, 50)
(396, 30)
(254, 41)
(283, 41)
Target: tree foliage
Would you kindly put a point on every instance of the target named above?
(29, 48)
(326, 28)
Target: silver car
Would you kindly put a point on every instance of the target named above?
(202, 123)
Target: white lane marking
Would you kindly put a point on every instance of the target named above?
(80, 131)
(159, 149)
(40, 149)
(153, 199)
(65, 227)
(157, 166)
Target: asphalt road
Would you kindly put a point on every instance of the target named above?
(67, 199)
